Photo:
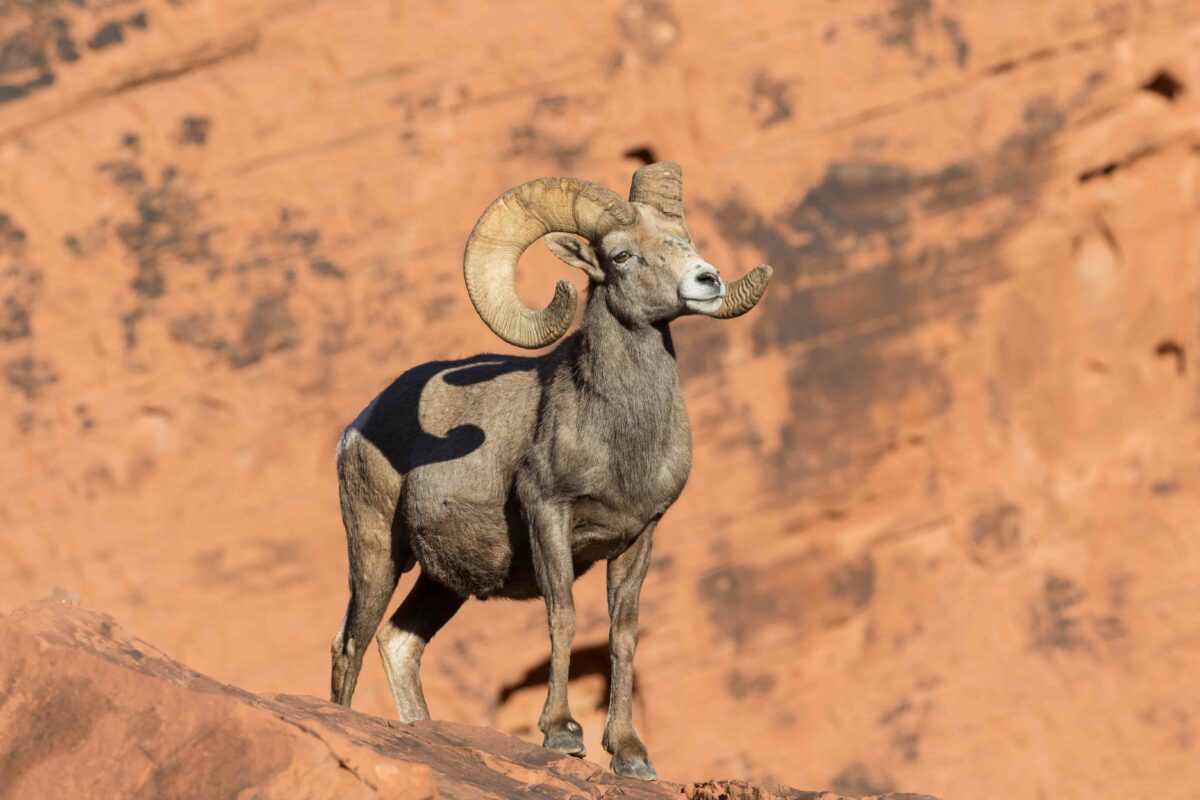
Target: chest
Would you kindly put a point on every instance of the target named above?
(630, 473)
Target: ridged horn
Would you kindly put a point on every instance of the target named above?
(744, 293)
(517, 219)
(659, 185)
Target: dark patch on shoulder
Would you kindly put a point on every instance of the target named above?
(771, 100)
(193, 130)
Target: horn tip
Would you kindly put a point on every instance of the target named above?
(565, 290)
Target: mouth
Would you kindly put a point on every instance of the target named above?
(704, 305)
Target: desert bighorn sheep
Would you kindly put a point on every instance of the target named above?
(509, 477)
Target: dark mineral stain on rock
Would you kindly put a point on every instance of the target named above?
(63, 43)
(165, 226)
(857, 780)
(107, 35)
(742, 685)
(899, 27)
(267, 328)
(859, 361)
(193, 130)
(24, 66)
(29, 375)
(962, 50)
(771, 99)
(854, 582)
(113, 32)
(1056, 617)
(326, 268)
(55, 721)
(20, 284)
(804, 593)
(529, 141)
(995, 535)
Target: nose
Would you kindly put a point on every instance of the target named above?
(709, 277)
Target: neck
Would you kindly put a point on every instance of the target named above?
(623, 361)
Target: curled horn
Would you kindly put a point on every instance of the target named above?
(744, 293)
(661, 185)
(517, 219)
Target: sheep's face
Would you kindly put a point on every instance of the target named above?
(651, 269)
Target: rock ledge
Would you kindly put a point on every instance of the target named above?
(87, 710)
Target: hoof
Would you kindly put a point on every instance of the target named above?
(566, 738)
(637, 766)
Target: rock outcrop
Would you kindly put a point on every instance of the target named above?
(89, 711)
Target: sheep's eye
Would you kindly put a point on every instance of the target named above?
(622, 256)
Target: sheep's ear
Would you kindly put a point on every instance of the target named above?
(576, 252)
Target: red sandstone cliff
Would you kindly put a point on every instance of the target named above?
(940, 532)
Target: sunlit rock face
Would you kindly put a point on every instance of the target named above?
(939, 530)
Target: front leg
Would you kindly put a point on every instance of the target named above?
(625, 574)
(550, 532)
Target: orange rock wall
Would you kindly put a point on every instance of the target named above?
(940, 532)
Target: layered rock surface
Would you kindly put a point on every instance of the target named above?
(89, 711)
(940, 530)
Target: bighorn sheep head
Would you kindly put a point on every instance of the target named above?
(639, 249)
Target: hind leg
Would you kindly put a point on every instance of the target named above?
(375, 565)
(402, 640)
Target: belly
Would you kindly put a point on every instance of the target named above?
(483, 551)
